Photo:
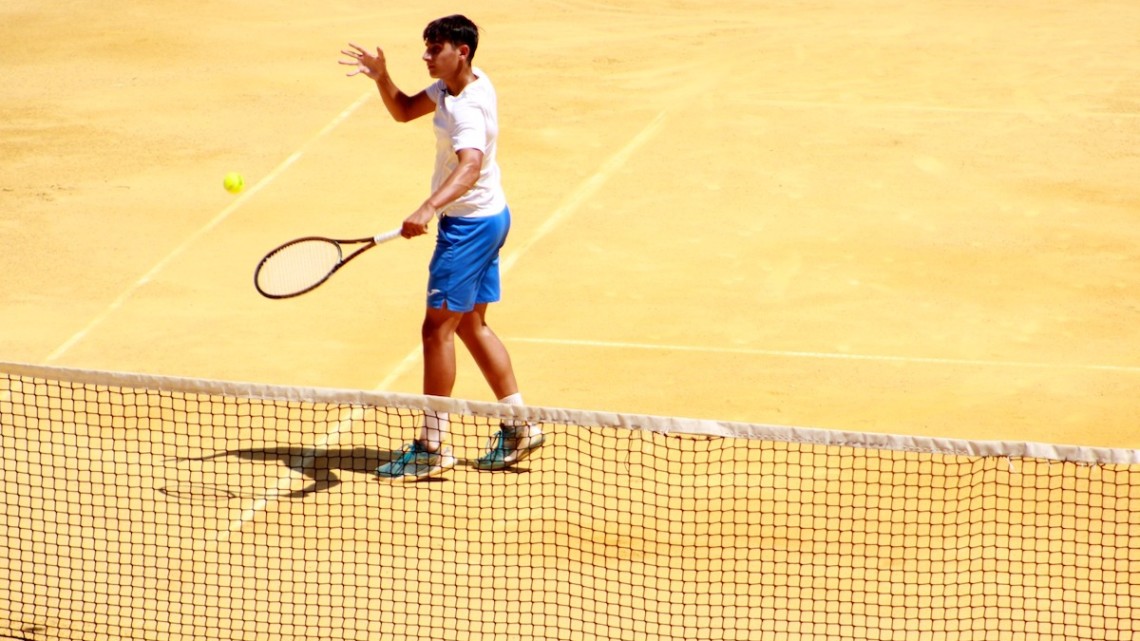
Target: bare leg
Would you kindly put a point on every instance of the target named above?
(514, 441)
(438, 333)
(488, 351)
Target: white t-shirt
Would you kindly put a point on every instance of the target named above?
(468, 121)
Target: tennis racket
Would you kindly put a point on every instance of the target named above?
(301, 265)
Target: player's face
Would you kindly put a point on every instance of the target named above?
(444, 59)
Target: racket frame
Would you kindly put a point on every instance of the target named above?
(340, 244)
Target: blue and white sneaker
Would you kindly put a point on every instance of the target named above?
(510, 445)
(415, 462)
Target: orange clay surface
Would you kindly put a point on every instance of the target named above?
(915, 218)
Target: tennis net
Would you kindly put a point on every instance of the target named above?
(145, 507)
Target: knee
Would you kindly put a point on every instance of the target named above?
(434, 330)
(471, 328)
(465, 332)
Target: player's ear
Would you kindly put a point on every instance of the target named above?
(465, 51)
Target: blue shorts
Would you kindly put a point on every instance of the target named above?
(464, 270)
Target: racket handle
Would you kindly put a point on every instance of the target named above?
(386, 236)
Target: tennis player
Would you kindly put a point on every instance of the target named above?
(468, 199)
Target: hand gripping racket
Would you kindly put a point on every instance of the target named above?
(301, 265)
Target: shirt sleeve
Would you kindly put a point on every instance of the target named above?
(470, 127)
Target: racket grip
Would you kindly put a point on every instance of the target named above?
(386, 236)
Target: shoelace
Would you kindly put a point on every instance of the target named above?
(409, 453)
(500, 442)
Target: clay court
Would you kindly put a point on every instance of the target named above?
(885, 216)
(879, 216)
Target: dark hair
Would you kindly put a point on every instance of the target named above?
(457, 29)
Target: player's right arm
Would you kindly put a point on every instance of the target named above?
(402, 106)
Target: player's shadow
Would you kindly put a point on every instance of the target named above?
(320, 467)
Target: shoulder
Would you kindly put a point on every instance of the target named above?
(482, 87)
(435, 90)
(481, 75)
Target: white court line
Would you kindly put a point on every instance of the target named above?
(920, 108)
(580, 195)
(214, 222)
(827, 355)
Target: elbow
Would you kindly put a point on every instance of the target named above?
(404, 114)
(466, 174)
(471, 177)
(401, 109)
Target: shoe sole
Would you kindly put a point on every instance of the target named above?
(435, 471)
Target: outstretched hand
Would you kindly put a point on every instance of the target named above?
(373, 66)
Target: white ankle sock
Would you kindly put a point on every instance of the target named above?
(529, 429)
(434, 431)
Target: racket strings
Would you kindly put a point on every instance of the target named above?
(298, 267)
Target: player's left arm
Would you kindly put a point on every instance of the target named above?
(458, 182)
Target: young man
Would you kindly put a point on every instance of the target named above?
(467, 197)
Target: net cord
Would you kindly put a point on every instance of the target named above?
(566, 416)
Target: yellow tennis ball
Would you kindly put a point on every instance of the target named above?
(233, 182)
